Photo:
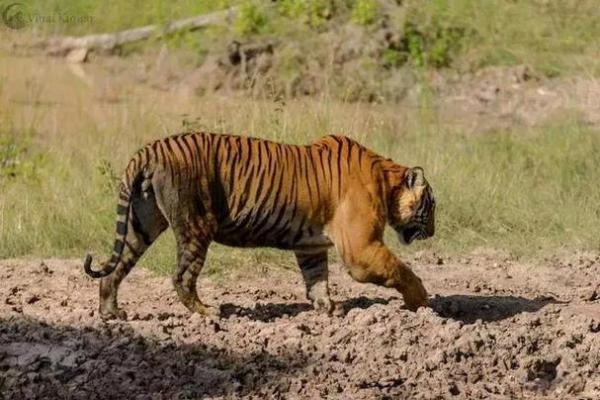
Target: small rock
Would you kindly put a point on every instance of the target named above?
(594, 295)
(453, 390)
(164, 316)
(146, 317)
(45, 268)
(34, 298)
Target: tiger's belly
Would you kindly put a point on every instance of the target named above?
(293, 240)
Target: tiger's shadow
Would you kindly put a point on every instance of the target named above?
(464, 308)
(267, 312)
(487, 308)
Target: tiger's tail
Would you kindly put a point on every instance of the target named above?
(133, 173)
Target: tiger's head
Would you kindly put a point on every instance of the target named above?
(411, 206)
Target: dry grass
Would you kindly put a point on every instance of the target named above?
(71, 131)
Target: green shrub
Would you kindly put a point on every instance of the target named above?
(313, 13)
(392, 58)
(364, 12)
(433, 44)
(251, 19)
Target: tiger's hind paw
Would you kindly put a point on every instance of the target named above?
(324, 305)
(207, 311)
(114, 314)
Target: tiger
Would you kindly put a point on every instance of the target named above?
(249, 192)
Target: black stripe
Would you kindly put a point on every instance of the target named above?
(300, 232)
(132, 249)
(330, 172)
(267, 216)
(173, 165)
(283, 232)
(118, 246)
(168, 144)
(310, 263)
(231, 177)
(270, 158)
(278, 219)
(238, 148)
(134, 162)
(227, 150)
(314, 173)
(259, 155)
(361, 151)
(166, 159)
(121, 228)
(199, 149)
(244, 194)
(189, 155)
(350, 144)
(260, 185)
(339, 168)
(147, 153)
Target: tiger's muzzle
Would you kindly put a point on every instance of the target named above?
(407, 234)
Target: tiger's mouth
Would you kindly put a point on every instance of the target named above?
(410, 233)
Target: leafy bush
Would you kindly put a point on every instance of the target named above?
(364, 12)
(313, 13)
(252, 19)
(433, 46)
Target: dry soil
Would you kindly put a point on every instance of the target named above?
(498, 328)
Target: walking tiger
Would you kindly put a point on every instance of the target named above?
(249, 192)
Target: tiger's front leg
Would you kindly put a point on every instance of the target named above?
(357, 232)
(375, 263)
(315, 273)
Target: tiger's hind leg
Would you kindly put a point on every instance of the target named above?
(315, 273)
(192, 245)
(146, 223)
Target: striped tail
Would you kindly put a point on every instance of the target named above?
(123, 211)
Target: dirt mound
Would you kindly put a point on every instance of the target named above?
(497, 328)
(496, 98)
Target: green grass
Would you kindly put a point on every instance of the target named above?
(526, 190)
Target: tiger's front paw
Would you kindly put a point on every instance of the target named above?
(415, 296)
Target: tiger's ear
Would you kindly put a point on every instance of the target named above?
(414, 177)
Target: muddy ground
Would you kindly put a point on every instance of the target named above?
(498, 328)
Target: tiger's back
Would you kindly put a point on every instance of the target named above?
(261, 193)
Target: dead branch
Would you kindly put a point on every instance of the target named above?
(61, 46)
